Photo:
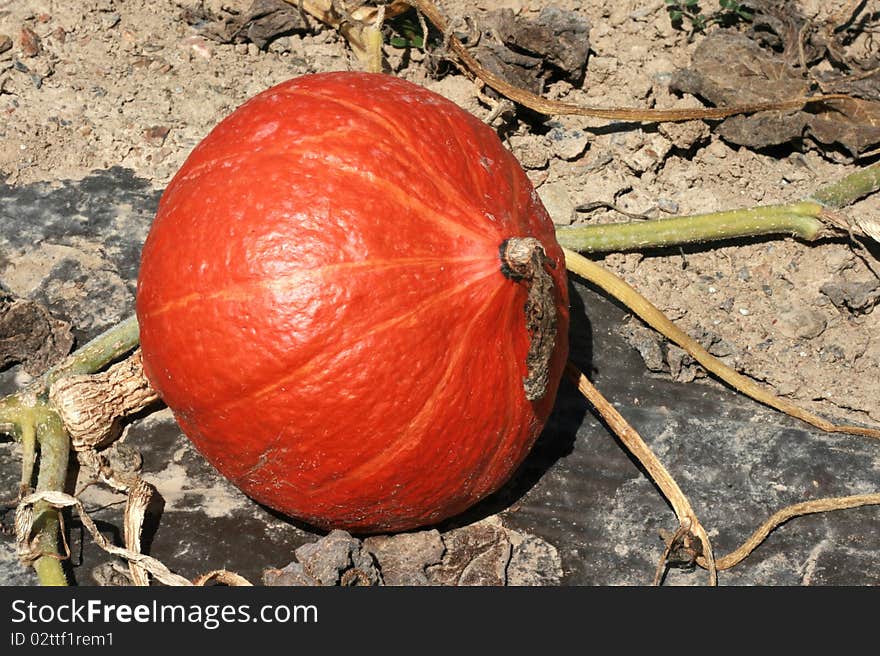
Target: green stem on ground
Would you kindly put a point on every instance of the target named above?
(54, 454)
(797, 219)
(100, 351)
(805, 220)
(29, 417)
(848, 190)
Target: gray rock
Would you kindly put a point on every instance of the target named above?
(403, 558)
(647, 342)
(856, 297)
(800, 323)
(476, 555)
(568, 144)
(336, 559)
(533, 561)
(292, 574)
(558, 202)
(530, 150)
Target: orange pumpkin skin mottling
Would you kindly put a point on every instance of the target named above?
(322, 306)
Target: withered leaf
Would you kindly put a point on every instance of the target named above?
(267, 20)
(731, 69)
(527, 51)
(261, 23)
(779, 24)
(851, 122)
(728, 68)
(516, 68)
(29, 334)
(559, 36)
(861, 86)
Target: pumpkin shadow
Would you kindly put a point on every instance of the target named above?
(557, 440)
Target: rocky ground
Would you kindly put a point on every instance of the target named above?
(101, 101)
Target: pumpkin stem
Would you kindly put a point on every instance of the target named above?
(523, 260)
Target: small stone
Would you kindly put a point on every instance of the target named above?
(717, 149)
(558, 202)
(59, 34)
(647, 342)
(530, 151)
(155, 135)
(476, 555)
(667, 205)
(533, 562)
(338, 559)
(650, 155)
(685, 134)
(5, 43)
(109, 21)
(404, 558)
(682, 367)
(30, 42)
(326, 559)
(800, 323)
(198, 46)
(567, 144)
(292, 574)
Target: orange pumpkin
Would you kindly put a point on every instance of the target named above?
(354, 303)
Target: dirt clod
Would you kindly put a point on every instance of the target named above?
(30, 42)
(29, 334)
(404, 558)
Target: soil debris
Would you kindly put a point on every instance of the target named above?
(29, 334)
(532, 51)
(30, 42)
(260, 24)
(759, 75)
(483, 553)
(404, 558)
(854, 297)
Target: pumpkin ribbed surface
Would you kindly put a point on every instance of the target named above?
(322, 303)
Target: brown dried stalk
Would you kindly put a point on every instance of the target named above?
(789, 512)
(56, 499)
(690, 529)
(135, 510)
(361, 27)
(92, 405)
(223, 577)
(649, 313)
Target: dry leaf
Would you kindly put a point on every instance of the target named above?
(31, 335)
(729, 68)
(851, 122)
